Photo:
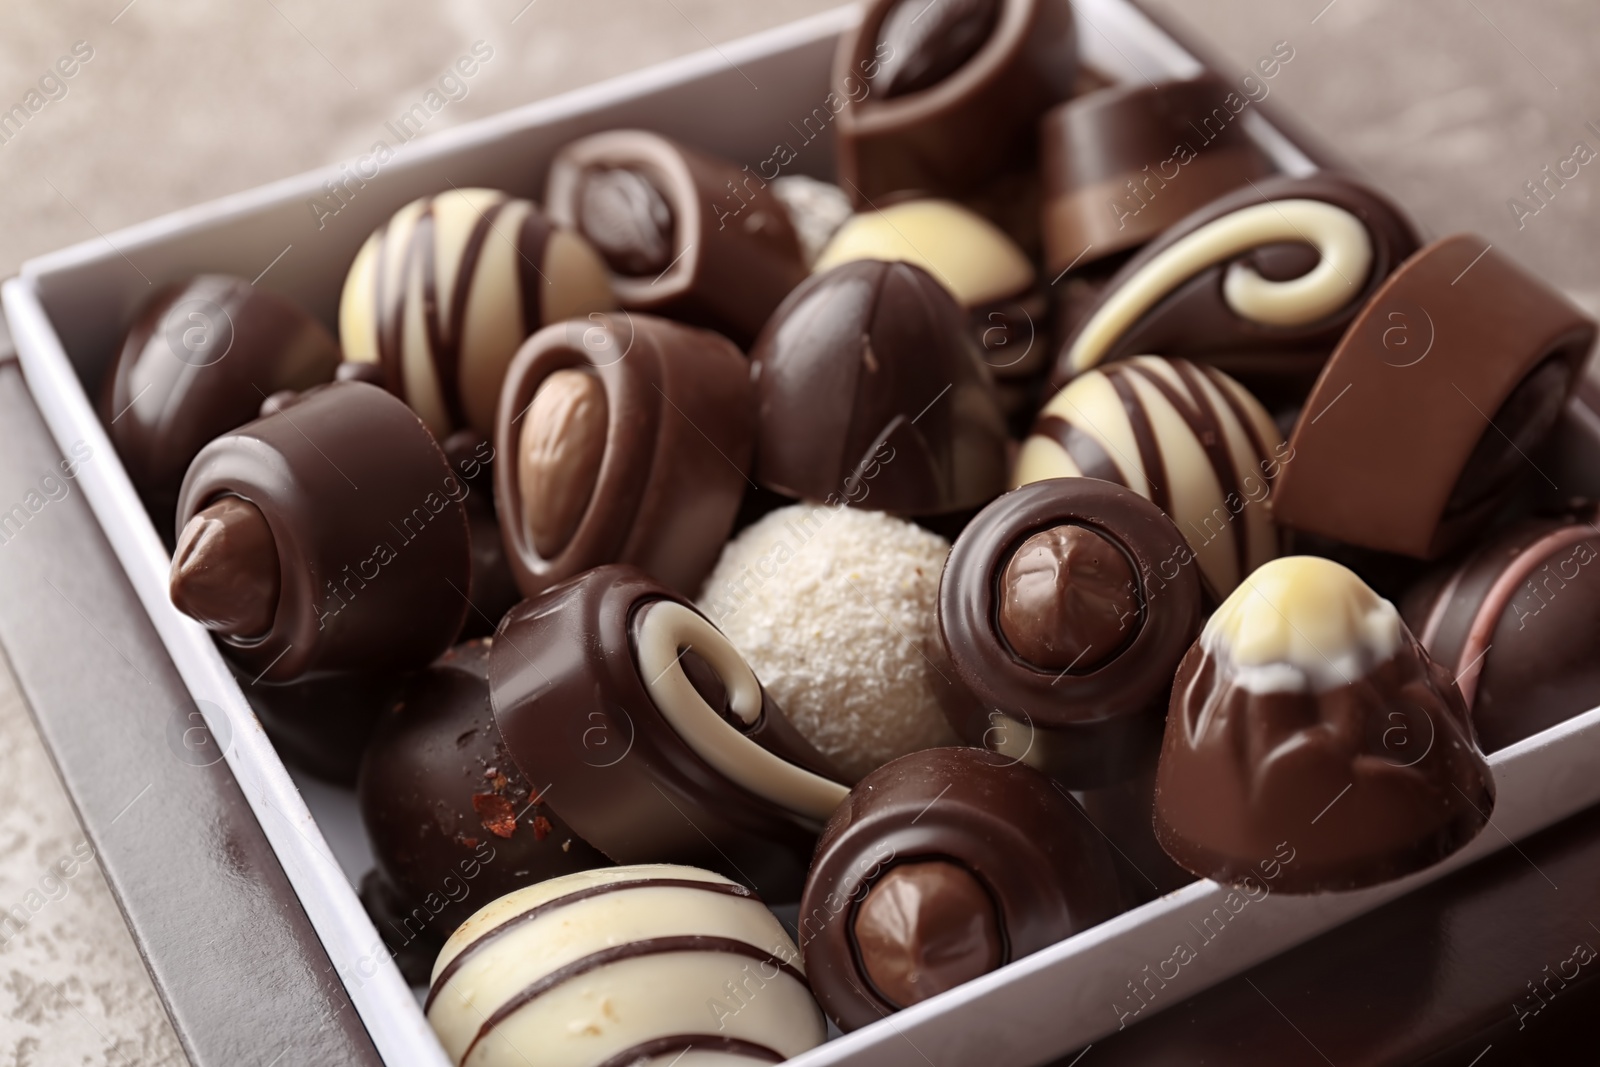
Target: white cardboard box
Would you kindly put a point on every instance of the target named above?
(67, 312)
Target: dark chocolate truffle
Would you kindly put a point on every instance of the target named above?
(945, 98)
(870, 365)
(196, 363)
(321, 723)
(624, 439)
(1517, 621)
(1307, 721)
(1260, 283)
(452, 821)
(726, 249)
(596, 695)
(941, 866)
(372, 546)
(442, 294)
(1426, 413)
(1064, 608)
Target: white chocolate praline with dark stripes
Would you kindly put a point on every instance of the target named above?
(1184, 436)
(623, 965)
(442, 295)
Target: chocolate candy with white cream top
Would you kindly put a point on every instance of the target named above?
(1308, 722)
(645, 964)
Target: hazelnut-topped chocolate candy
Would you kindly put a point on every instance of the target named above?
(870, 366)
(1517, 621)
(685, 234)
(621, 439)
(1064, 608)
(1183, 435)
(1307, 718)
(942, 866)
(442, 294)
(944, 98)
(1425, 416)
(327, 537)
(196, 363)
(652, 736)
(1260, 283)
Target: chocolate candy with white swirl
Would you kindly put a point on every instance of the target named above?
(623, 439)
(942, 866)
(442, 294)
(656, 740)
(651, 964)
(1064, 608)
(945, 98)
(1310, 734)
(1423, 421)
(1260, 283)
(1517, 621)
(685, 234)
(1182, 435)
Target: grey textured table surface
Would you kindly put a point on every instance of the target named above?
(1450, 105)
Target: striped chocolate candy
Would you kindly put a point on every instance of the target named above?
(1184, 436)
(441, 296)
(647, 964)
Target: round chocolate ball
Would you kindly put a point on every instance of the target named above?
(924, 928)
(1066, 597)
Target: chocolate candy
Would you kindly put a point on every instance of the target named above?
(1122, 164)
(327, 537)
(645, 964)
(685, 234)
(1428, 410)
(656, 741)
(321, 723)
(451, 819)
(442, 294)
(1063, 611)
(869, 366)
(1517, 621)
(1307, 721)
(1185, 436)
(196, 363)
(623, 439)
(943, 866)
(816, 209)
(944, 99)
(1260, 283)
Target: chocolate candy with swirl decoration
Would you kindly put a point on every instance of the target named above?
(944, 98)
(612, 968)
(685, 234)
(656, 740)
(441, 295)
(1425, 416)
(942, 866)
(1260, 283)
(1064, 608)
(1518, 623)
(1183, 435)
(623, 439)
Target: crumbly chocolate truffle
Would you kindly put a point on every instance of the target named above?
(196, 363)
(442, 294)
(1307, 720)
(940, 867)
(1517, 621)
(1182, 435)
(834, 608)
(643, 964)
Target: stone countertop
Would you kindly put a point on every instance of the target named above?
(1450, 105)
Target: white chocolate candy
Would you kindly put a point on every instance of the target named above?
(1187, 438)
(621, 965)
(1339, 277)
(443, 293)
(1302, 624)
(664, 629)
(968, 254)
